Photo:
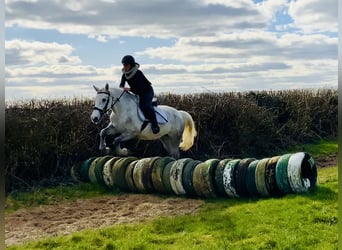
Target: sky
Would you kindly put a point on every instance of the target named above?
(59, 49)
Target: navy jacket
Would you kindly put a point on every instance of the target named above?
(138, 83)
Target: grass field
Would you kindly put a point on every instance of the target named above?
(307, 221)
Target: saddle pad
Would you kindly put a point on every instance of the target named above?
(160, 115)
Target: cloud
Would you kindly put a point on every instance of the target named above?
(21, 52)
(247, 46)
(105, 19)
(217, 45)
(314, 15)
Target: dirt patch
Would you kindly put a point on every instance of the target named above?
(326, 160)
(68, 217)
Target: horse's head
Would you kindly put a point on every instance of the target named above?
(103, 103)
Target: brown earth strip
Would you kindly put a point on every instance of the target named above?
(68, 217)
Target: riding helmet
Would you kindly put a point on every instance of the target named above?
(128, 59)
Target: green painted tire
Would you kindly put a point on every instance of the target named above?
(219, 177)
(91, 171)
(142, 174)
(204, 178)
(166, 178)
(250, 179)
(107, 172)
(188, 176)
(271, 183)
(129, 177)
(99, 169)
(119, 170)
(84, 171)
(228, 178)
(281, 174)
(302, 172)
(240, 177)
(157, 174)
(260, 180)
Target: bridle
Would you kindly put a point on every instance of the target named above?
(106, 107)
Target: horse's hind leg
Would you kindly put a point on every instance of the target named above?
(171, 145)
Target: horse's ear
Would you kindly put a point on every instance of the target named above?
(96, 88)
(107, 87)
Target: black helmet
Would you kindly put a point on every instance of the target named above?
(128, 60)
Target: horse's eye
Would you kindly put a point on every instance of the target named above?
(104, 100)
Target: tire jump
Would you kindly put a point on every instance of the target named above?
(231, 178)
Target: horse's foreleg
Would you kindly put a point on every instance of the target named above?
(119, 139)
(104, 132)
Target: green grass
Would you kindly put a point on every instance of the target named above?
(306, 221)
(45, 196)
(322, 147)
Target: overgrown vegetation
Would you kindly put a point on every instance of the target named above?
(44, 138)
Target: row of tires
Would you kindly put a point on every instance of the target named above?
(249, 177)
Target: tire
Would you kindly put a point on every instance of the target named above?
(91, 170)
(75, 172)
(260, 180)
(129, 177)
(142, 175)
(204, 178)
(219, 177)
(228, 178)
(99, 169)
(281, 174)
(119, 170)
(84, 171)
(157, 174)
(166, 178)
(250, 179)
(240, 177)
(302, 172)
(270, 178)
(188, 176)
(176, 176)
(107, 172)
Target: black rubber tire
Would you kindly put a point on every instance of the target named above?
(240, 177)
(166, 178)
(228, 178)
(129, 177)
(187, 177)
(157, 174)
(250, 179)
(99, 169)
(204, 178)
(219, 177)
(270, 178)
(84, 171)
(107, 172)
(142, 175)
(119, 170)
(260, 178)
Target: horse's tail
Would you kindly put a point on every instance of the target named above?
(189, 132)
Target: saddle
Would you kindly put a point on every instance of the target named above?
(160, 114)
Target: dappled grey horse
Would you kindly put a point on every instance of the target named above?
(177, 131)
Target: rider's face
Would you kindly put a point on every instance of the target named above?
(126, 67)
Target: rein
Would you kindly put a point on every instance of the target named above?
(105, 109)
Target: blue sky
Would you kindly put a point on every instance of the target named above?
(60, 48)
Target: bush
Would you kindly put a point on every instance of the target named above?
(44, 138)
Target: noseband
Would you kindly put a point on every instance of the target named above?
(106, 108)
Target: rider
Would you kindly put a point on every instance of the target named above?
(140, 86)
